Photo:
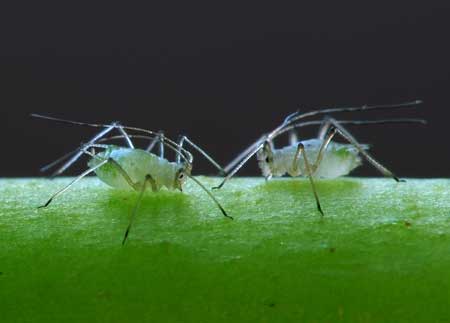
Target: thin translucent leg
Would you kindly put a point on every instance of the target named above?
(301, 150)
(347, 136)
(148, 179)
(80, 153)
(127, 138)
(324, 127)
(153, 142)
(90, 170)
(322, 149)
(201, 151)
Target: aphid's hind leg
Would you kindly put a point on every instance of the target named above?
(77, 154)
(116, 165)
(347, 136)
(301, 150)
(148, 179)
(154, 141)
(102, 161)
(90, 170)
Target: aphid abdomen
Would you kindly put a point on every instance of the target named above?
(137, 164)
(338, 159)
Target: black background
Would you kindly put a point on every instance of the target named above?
(223, 73)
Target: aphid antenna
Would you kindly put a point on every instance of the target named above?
(410, 104)
(355, 122)
(56, 162)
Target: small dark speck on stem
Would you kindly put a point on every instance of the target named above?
(332, 249)
(407, 224)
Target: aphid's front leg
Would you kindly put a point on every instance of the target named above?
(347, 136)
(301, 150)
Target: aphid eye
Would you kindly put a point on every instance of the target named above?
(267, 159)
(181, 176)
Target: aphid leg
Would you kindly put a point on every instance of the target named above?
(239, 165)
(148, 179)
(154, 141)
(243, 158)
(210, 195)
(117, 166)
(161, 144)
(80, 153)
(201, 151)
(90, 170)
(125, 135)
(322, 148)
(268, 150)
(347, 136)
(301, 150)
(124, 174)
(243, 154)
(135, 186)
(324, 127)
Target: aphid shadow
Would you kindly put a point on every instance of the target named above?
(159, 204)
(302, 185)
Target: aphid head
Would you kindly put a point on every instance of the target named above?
(265, 160)
(181, 175)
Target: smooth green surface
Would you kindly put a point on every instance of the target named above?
(381, 253)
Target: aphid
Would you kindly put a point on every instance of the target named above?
(130, 167)
(318, 157)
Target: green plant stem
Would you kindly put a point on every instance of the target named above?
(381, 253)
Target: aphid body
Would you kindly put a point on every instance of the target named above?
(337, 160)
(318, 157)
(138, 163)
(132, 168)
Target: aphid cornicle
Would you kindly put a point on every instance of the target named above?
(130, 167)
(318, 157)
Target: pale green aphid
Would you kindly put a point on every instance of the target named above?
(137, 164)
(318, 157)
(133, 168)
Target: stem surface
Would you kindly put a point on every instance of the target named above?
(381, 253)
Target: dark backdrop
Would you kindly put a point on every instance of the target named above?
(223, 74)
